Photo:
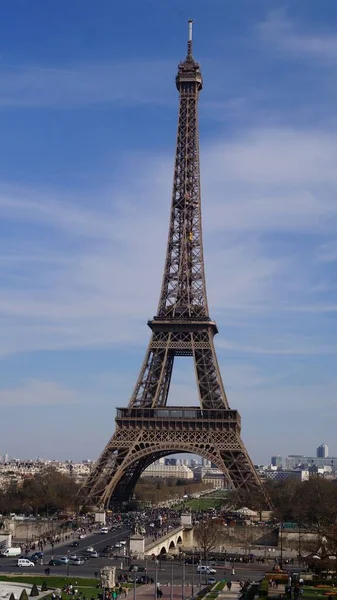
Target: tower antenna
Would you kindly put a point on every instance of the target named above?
(190, 35)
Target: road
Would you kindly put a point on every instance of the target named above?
(165, 572)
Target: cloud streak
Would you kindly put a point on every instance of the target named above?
(95, 285)
(84, 85)
(283, 33)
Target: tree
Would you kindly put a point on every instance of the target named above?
(208, 535)
(34, 591)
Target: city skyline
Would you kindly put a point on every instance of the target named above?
(88, 141)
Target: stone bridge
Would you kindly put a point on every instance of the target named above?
(169, 543)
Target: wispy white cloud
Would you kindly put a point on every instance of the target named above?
(96, 273)
(37, 392)
(309, 43)
(83, 84)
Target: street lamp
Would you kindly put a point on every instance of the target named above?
(193, 572)
(281, 546)
(156, 579)
(135, 569)
(68, 563)
(183, 581)
(171, 589)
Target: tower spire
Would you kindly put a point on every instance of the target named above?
(190, 36)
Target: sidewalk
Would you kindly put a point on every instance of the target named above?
(225, 594)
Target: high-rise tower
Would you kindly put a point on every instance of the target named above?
(147, 429)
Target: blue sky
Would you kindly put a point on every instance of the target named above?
(88, 111)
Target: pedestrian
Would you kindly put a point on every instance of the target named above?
(229, 585)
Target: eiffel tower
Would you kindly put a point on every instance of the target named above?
(148, 429)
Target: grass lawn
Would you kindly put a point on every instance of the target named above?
(52, 582)
(318, 593)
(220, 585)
(198, 504)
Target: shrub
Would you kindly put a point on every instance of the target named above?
(44, 587)
(34, 591)
(24, 595)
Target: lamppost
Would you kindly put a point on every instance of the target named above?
(135, 569)
(171, 588)
(192, 572)
(156, 579)
(281, 546)
(68, 564)
(183, 581)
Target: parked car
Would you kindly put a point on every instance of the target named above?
(211, 580)
(25, 562)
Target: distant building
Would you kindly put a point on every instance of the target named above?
(217, 480)
(276, 461)
(275, 475)
(304, 462)
(168, 471)
(170, 461)
(322, 451)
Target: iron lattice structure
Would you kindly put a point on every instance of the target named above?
(148, 429)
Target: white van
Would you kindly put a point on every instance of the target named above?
(11, 552)
(105, 530)
(205, 569)
(25, 562)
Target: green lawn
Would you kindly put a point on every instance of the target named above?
(317, 593)
(220, 585)
(52, 582)
(199, 504)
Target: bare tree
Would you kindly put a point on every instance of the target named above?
(207, 534)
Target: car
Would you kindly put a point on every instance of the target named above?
(78, 561)
(32, 558)
(25, 562)
(211, 580)
(94, 554)
(64, 560)
(123, 542)
(73, 557)
(205, 569)
(74, 545)
(105, 530)
(117, 545)
(55, 562)
(138, 568)
(90, 549)
(81, 536)
(37, 555)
